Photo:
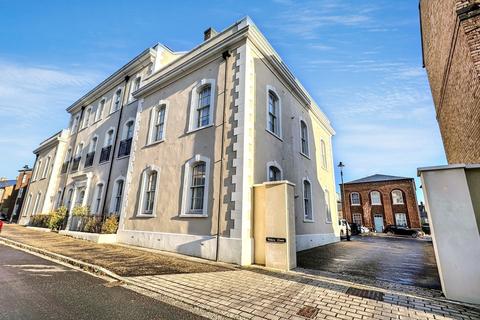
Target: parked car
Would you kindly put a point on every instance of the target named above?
(344, 225)
(355, 229)
(400, 230)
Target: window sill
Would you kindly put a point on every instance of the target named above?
(274, 134)
(154, 143)
(328, 222)
(308, 220)
(193, 215)
(103, 162)
(113, 112)
(355, 205)
(145, 215)
(305, 155)
(123, 157)
(200, 128)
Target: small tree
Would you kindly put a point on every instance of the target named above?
(57, 218)
(110, 225)
(80, 211)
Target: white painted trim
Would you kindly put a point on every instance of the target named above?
(47, 165)
(192, 123)
(311, 200)
(153, 112)
(90, 144)
(99, 115)
(359, 198)
(274, 163)
(143, 185)
(401, 194)
(95, 191)
(328, 207)
(308, 241)
(307, 155)
(113, 100)
(93, 237)
(187, 180)
(279, 115)
(105, 139)
(131, 98)
(114, 194)
(124, 128)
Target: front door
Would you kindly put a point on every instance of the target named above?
(378, 220)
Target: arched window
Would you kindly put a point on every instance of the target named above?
(273, 113)
(117, 195)
(96, 205)
(100, 108)
(27, 205)
(128, 130)
(274, 173)
(36, 205)
(68, 199)
(307, 200)
(78, 152)
(324, 154)
(47, 167)
(355, 199)
(134, 87)
(107, 146)
(109, 138)
(157, 120)
(93, 145)
(58, 200)
(304, 138)
(327, 201)
(397, 197)
(116, 100)
(80, 197)
(375, 198)
(126, 142)
(195, 192)
(202, 104)
(150, 188)
(86, 118)
(38, 168)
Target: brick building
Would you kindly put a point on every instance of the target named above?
(451, 54)
(380, 200)
(19, 192)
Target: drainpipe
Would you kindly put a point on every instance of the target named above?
(115, 140)
(225, 56)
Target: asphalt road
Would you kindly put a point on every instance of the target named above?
(400, 260)
(35, 288)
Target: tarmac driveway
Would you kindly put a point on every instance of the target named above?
(400, 260)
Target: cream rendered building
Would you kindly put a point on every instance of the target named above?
(208, 125)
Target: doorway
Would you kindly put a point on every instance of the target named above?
(378, 221)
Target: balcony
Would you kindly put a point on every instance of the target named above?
(76, 163)
(89, 159)
(105, 154)
(125, 146)
(65, 167)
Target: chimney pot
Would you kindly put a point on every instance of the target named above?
(209, 33)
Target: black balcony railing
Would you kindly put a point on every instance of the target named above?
(105, 154)
(89, 159)
(76, 163)
(65, 166)
(125, 146)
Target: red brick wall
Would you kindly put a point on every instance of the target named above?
(387, 209)
(452, 59)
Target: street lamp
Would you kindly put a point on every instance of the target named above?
(344, 200)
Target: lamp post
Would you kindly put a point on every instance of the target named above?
(344, 200)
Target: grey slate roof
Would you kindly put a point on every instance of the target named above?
(378, 178)
(7, 183)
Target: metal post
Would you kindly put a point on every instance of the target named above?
(344, 200)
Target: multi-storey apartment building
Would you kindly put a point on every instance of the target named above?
(19, 193)
(175, 142)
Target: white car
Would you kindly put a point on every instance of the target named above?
(343, 228)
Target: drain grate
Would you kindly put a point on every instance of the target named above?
(362, 293)
(308, 312)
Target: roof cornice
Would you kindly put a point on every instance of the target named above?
(114, 79)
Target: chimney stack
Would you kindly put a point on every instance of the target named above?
(209, 33)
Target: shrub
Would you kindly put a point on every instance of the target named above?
(92, 224)
(57, 218)
(40, 220)
(79, 211)
(110, 225)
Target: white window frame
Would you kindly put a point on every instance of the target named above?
(105, 141)
(359, 199)
(112, 105)
(153, 117)
(46, 168)
(36, 203)
(68, 201)
(273, 163)
(307, 138)
(100, 109)
(75, 122)
(125, 128)
(58, 201)
(406, 219)
(379, 203)
(111, 207)
(143, 186)
(278, 115)
(323, 150)
(79, 150)
(305, 219)
(328, 212)
(131, 97)
(96, 210)
(401, 197)
(90, 147)
(36, 170)
(87, 116)
(187, 181)
(193, 120)
(357, 214)
(27, 206)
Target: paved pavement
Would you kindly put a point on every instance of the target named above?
(35, 288)
(400, 260)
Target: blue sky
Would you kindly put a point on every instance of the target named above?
(360, 60)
